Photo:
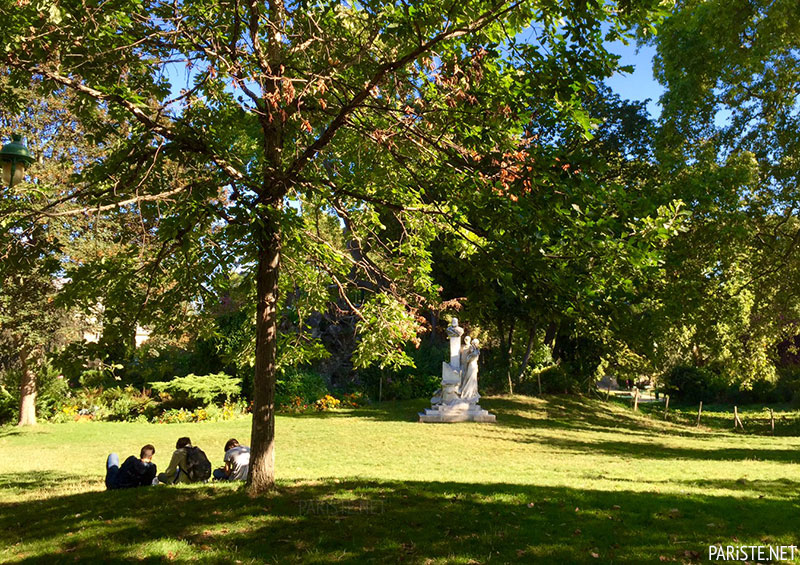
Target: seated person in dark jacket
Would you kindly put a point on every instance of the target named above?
(133, 472)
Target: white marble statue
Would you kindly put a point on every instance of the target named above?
(457, 399)
(462, 354)
(468, 391)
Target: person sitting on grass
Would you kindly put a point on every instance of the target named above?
(188, 464)
(237, 462)
(133, 472)
(176, 470)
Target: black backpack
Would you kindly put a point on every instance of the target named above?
(198, 467)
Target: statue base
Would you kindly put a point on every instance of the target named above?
(457, 412)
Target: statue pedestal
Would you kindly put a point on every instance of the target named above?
(457, 412)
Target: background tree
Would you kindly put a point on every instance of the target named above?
(572, 234)
(727, 146)
(31, 320)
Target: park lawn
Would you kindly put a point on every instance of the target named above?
(754, 417)
(556, 480)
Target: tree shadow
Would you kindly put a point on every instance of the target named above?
(784, 488)
(552, 412)
(561, 412)
(361, 521)
(27, 480)
(399, 411)
(557, 412)
(657, 450)
(8, 431)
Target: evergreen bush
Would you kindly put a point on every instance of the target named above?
(196, 391)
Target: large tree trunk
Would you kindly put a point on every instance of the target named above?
(262, 457)
(27, 397)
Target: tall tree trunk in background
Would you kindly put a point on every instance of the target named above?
(262, 462)
(27, 397)
(434, 326)
(508, 357)
(531, 338)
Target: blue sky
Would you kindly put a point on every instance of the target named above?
(640, 84)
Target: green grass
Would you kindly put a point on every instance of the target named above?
(754, 417)
(556, 480)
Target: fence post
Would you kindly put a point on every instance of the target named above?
(737, 423)
(666, 408)
(772, 421)
(699, 412)
(636, 399)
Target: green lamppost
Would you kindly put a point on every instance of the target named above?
(14, 158)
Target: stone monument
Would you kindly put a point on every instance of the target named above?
(457, 399)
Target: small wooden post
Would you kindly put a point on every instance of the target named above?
(636, 399)
(539, 379)
(737, 423)
(772, 421)
(666, 408)
(699, 412)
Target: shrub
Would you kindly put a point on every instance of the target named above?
(230, 410)
(52, 387)
(8, 405)
(100, 375)
(295, 388)
(175, 416)
(788, 385)
(294, 404)
(327, 402)
(66, 413)
(419, 381)
(210, 413)
(127, 404)
(692, 384)
(555, 380)
(193, 391)
(354, 400)
(88, 401)
(406, 387)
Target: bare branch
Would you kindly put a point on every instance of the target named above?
(146, 198)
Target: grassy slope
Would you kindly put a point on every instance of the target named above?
(557, 480)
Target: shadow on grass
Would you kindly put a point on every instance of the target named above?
(7, 431)
(656, 450)
(358, 521)
(784, 488)
(36, 480)
(559, 412)
(398, 411)
(546, 412)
